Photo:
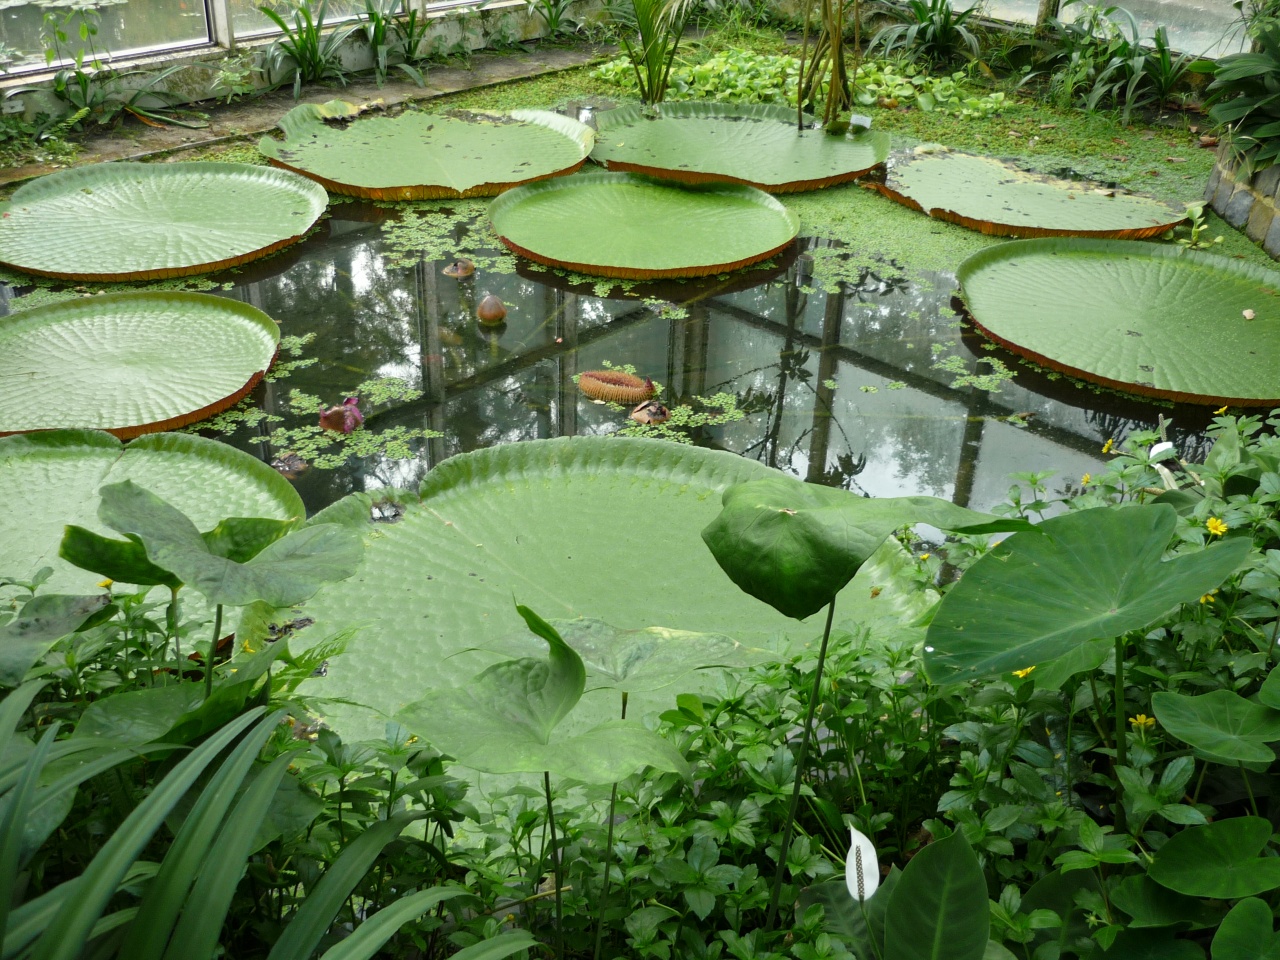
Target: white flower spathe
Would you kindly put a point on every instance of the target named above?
(861, 866)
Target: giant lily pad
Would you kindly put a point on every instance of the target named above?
(623, 225)
(420, 156)
(130, 363)
(755, 144)
(998, 198)
(603, 528)
(144, 221)
(1159, 321)
(51, 479)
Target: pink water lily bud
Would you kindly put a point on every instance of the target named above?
(344, 417)
(861, 866)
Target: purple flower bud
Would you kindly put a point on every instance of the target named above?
(345, 417)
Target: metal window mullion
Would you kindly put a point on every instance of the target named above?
(219, 12)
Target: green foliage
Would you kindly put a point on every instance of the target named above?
(931, 30)
(393, 43)
(304, 49)
(1244, 97)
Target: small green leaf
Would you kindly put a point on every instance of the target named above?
(43, 621)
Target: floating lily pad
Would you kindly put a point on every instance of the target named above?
(422, 156)
(51, 479)
(145, 221)
(1000, 199)
(755, 144)
(130, 363)
(1158, 321)
(624, 225)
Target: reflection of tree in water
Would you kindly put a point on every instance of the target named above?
(505, 411)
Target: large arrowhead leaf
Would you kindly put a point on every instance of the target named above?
(795, 545)
(285, 572)
(1247, 933)
(43, 621)
(1222, 860)
(938, 910)
(1084, 576)
(1222, 724)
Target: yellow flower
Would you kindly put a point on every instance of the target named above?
(1086, 479)
(1142, 722)
(1215, 527)
(105, 584)
(924, 556)
(1023, 674)
(1220, 411)
(1109, 445)
(1207, 598)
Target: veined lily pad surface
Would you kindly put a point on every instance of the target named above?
(130, 363)
(1158, 321)
(1000, 199)
(755, 144)
(145, 221)
(623, 225)
(602, 528)
(51, 479)
(420, 156)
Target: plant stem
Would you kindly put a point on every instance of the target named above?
(608, 856)
(555, 867)
(213, 650)
(800, 762)
(1122, 757)
(171, 624)
(1244, 775)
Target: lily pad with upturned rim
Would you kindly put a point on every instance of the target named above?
(51, 479)
(633, 227)
(147, 221)
(130, 363)
(1000, 199)
(753, 144)
(424, 156)
(1158, 321)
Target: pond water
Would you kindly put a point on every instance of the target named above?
(870, 386)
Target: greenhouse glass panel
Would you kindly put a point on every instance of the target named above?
(111, 30)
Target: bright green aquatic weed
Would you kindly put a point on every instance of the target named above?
(443, 230)
(717, 410)
(992, 381)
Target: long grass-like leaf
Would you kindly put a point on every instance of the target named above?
(163, 901)
(322, 904)
(14, 822)
(379, 928)
(13, 707)
(71, 928)
(495, 948)
(28, 921)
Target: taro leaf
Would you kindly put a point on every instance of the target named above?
(620, 225)
(1150, 905)
(504, 721)
(130, 363)
(121, 560)
(1220, 860)
(1247, 933)
(52, 479)
(139, 716)
(1223, 725)
(1159, 321)
(1084, 576)
(754, 144)
(795, 545)
(42, 622)
(143, 221)
(998, 198)
(938, 910)
(240, 539)
(643, 660)
(1088, 656)
(846, 918)
(1270, 691)
(420, 156)
(286, 572)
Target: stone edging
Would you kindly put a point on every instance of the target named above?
(1248, 204)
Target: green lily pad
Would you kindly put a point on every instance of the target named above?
(1000, 199)
(145, 221)
(624, 225)
(51, 479)
(130, 363)
(1158, 321)
(754, 144)
(422, 156)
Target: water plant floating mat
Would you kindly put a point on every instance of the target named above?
(146, 221)
(51, 479)
(423, 156)
(757, 144)
(1154, 320)
(130, 363)
(629, 226)
(999, 199)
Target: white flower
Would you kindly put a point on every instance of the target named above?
(861, 866)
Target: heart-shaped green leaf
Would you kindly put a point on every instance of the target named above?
(1084, 576)
(1222, 724)
(795, 545)
(1219, 860)
(1247, 933)
(938, 910)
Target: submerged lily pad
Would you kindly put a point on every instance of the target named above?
(51, 479)
(423, 156)
(755, 144)
(145, 221)
(1158, 321)
(1000, 199)
(130, 363)
(628, 226)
